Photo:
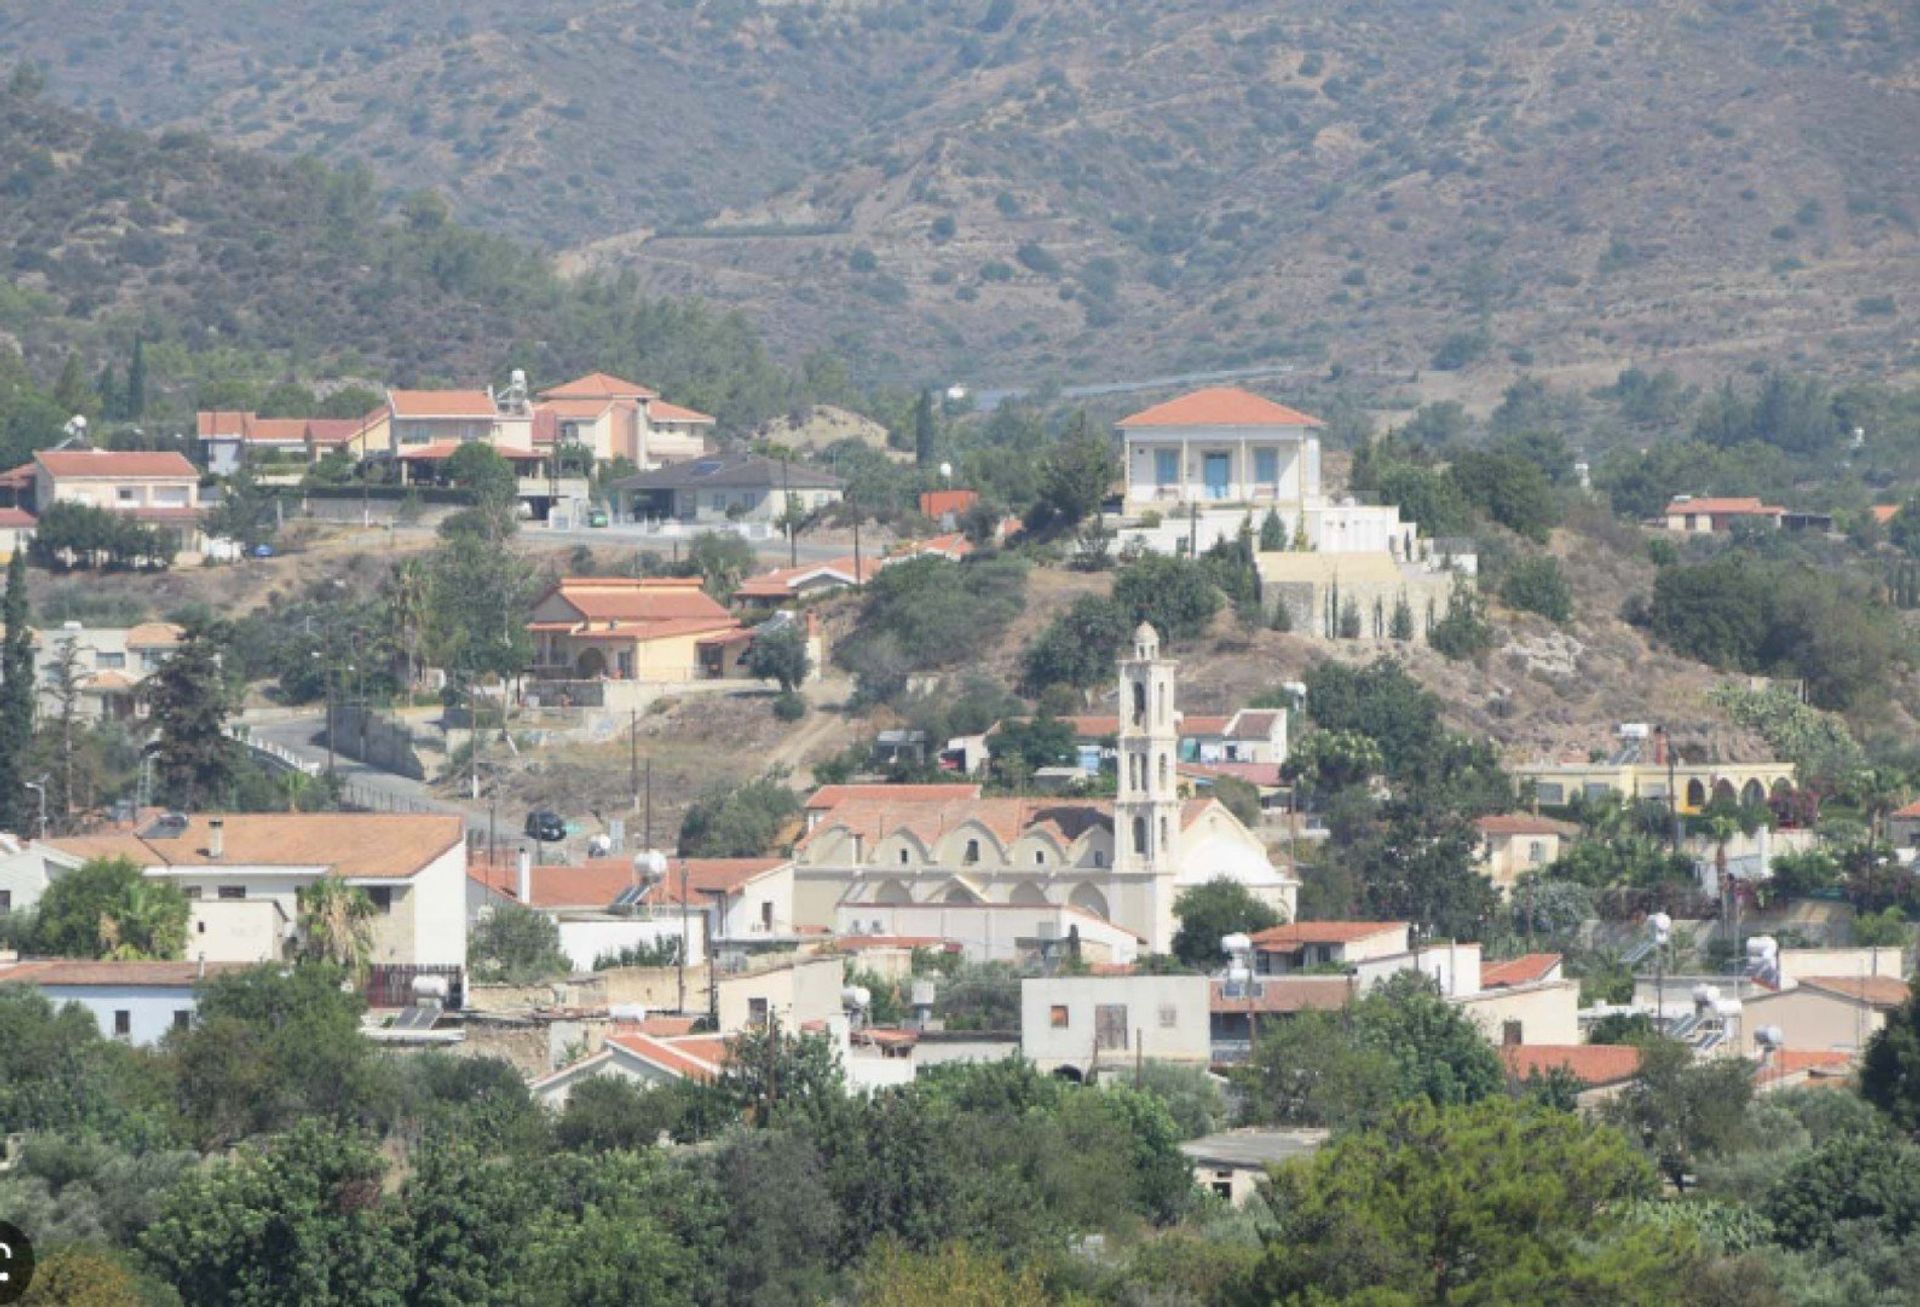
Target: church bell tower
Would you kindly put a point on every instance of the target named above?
(1146, 813)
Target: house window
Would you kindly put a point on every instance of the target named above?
(1537, 852)
(1057, 1016)
(973, 852)
(1266, 466)
(6, 902)
(1039, 857)
(1169, 1016)
(1166, 467)
(757, 1012)
(124, 494)
(1110, 1026)
(110, 661)
(766, 915)
(903, 857)
(1550, 794)
(122, 1023)
(193, 893)
(382, 896)
(182, 1017)
(1099, 858)
(233, 891)
(1510, 1033)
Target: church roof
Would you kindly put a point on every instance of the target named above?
(1006, 819)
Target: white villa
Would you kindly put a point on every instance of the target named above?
(1200, 467)
(995, 870)
(1228, 453)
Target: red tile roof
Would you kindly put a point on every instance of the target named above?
(1910, 810)
(443, 404)
(681, 1058)
(1884, 513)
(64, 971)
(594, 884)
(1877, 991)
(618, 599)
(781, 582)
(1253, 723)
(378, 846)
(115, 463)
(285, 431)
(15, 518)
(1220, 406)
(339, 431)
(1286, 994)
(1591, 1064)
(1741, 507)
(1787, 1061)
(18, 478)
(1282, 939)
(598, 385)
(1203, 724)
(1523, 970)
(1253, 773)
(1522, 823)
(937, 503)
(661, 411)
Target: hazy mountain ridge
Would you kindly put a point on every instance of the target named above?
(1134, 186)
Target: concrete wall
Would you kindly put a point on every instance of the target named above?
(378, 740)
(1799, 963)
(1810, 1019)
(990, 933)
(1548, 1013)
(584, 940)
(807, 989)
(1167, 1020)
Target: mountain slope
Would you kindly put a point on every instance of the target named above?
(1027, 188)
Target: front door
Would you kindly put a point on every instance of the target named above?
(1217, 476)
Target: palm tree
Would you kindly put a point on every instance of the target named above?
(407, 593)
(149, 924)
(336, 924)
(1877, 791)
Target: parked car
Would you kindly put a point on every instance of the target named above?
(546, 826)
(598, 517)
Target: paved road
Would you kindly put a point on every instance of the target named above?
(771, 552)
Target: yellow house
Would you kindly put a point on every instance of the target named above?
(1511, 843)
(1695, 784)
(358, 438)
(659, 629)
(619, 419)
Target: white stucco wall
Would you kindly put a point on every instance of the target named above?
(152, 1009)
(1167, 1020)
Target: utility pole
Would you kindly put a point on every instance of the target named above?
(786, 511)
(473, 741)
(685, 935)
(633, 761)
(649, 843)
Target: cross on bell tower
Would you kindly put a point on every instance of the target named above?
(1146, 813)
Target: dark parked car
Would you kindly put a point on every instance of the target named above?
(545, 825)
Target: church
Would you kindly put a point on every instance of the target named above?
(1040, 863)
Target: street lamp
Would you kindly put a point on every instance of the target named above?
(39, 789)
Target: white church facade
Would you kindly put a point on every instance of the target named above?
(983, 870)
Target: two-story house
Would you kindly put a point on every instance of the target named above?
(160, 488)
(109, 666)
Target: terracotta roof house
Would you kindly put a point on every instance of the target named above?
(1603, 1070)
(1527, 969)
(654, 629)
(620, 419)
(722, 488)
(1827, 1013)
(946, 506)
(243, 873)
(791, 584)
(135, 1002)
(1300, 945)
(598, 386)
(1518, 842)
(631, 1055)
(159, 488)
(110, 665)
(1704, 515)
(420, 418)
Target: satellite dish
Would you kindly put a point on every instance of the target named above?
(946, 471)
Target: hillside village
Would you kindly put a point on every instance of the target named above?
(512, 791)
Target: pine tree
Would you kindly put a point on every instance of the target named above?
(133, 398)
(1273, 533)
(1350, 619)
(16, 697)
(926, 432)
(190, 699)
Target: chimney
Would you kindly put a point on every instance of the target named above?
(526, 877)
(216, 838)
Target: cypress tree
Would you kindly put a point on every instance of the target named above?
(1273, 533)
(16, 697)
(926, 433)
(133, 399)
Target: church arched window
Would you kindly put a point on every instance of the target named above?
(1140, 836)
(1139, 704)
